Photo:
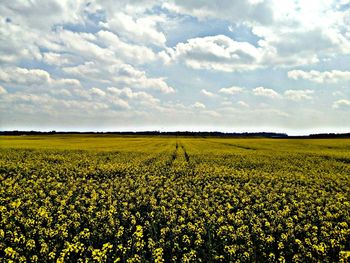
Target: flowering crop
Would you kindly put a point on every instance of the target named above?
(176, 200)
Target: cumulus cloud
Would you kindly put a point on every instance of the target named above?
(198, 105)
(97, 92)
(298, 95)
(215, 52)
(207, 93)
(17, 42)
(2, 90)
(34, 77)
(126, 51)
(59, 59)
(92, 101)
(231, 90)
(332, 76)
(141, 97)
(243, 104)
(17, 75)
(234, 11)
(52, 12)
(223, 53)
(343, 103)
(106, 56)
(140, 30)
(304, 32)
(290, 33)
(120, 74)
(265, 92)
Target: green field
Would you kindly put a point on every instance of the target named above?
(105, 198)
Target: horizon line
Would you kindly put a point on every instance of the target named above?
(157, 131)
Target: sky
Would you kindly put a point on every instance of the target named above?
(199, 65)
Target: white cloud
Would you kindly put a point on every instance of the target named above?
(84, 45)
(222, 53)
(119, 74)
(291, 32)
(2, 90)
(98, 92)
(212, 113)
(67, 83)
(140, 97)
(304, 32)
(23, 76)
(17, 42)
(34, 77)
(198, 105)
(127, 38)
(333, 76)
(343, 103)
(231, 90)
(215, 52)
(298, 95)
(243, 104)
(59, 59)
(140, 30)
(234, 11)
(265, 92)
(126, 51)
(208, 93)
(43, 14)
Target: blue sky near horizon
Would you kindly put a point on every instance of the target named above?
(250, 65)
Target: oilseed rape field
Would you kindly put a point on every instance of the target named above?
(105, 198)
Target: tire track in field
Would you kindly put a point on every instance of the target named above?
(187, 157)
(233, 145)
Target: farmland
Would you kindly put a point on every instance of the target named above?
(89, 198)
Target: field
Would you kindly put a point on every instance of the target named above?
(88, 198)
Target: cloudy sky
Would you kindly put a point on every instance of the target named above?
(247, 65)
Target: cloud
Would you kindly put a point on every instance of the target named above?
(94, 102)
(198, 105)
(212, 113)
(223, 53)
(332, 76)
(243, 104)
(114, 58)
(34, 77)
(2, 90)
(234, 11)
(214, 52)
(140, 30)
(97, 92)
(298, 95)
(125, 51)
(304, 32)
(231, 90)
(85, 46)
(265, 92)
(208, 93)
(17, 42)
(59, 59)
(119, 74)
(139, 97)
(51, 12)
(39, 103)
(290, 33)
(23, 76)
(343, 103)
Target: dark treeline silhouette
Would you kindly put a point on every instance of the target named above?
(175, 133)
(187, 133)
(324, 136)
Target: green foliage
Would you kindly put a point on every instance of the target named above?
(175, 200)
